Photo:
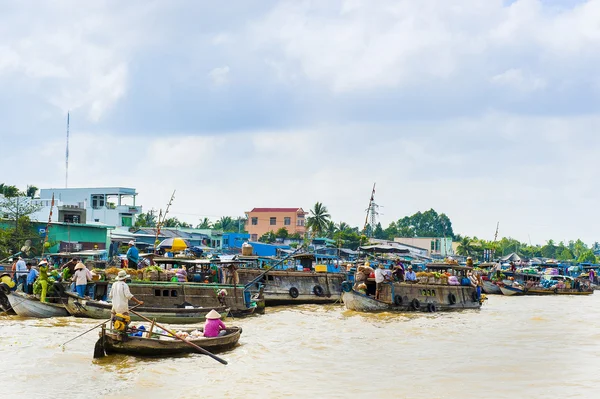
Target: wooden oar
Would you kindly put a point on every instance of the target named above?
(201, 350)
(93, 328)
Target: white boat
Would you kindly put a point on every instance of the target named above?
(30, 306)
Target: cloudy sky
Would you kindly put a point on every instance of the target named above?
(487, 110)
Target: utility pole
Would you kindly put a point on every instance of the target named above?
(67, 155)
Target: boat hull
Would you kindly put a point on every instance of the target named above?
(288, 287)
(562, 291)
(511, 291)
(414, 297)
(491, 288)
(80, 307)
(26, 305)
(138, 346)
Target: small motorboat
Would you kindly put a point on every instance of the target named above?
(165, 345)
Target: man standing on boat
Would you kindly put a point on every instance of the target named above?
(379, 279)
(21, 274)
(133, 256)
(120, 295)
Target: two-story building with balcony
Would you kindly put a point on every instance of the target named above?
(262, 220)
(113, 206)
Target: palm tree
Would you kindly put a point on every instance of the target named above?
(31, 191)
(465, 248)
(318, 219)
(226, 224)
(145, 220)
(343, 227)
(205, 224)
(330, 229)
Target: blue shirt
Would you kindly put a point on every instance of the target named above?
(133, 255)
(411, 276)
(33, 273)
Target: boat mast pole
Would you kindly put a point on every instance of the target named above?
(160, 222)
(48, 226)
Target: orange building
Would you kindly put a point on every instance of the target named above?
(262, 220)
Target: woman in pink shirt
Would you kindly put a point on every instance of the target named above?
(214, 327)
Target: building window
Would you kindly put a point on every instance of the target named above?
(273, 221)
(97, 201)
(254, 221)
(126, 221)
(300, 222)
(254, 237)
(287, 221)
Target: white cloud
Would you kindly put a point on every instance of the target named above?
(325, 98)
(219, 76)
(514, 78)
(353, 45)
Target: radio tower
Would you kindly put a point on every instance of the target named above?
(372, 213)
(67, 156)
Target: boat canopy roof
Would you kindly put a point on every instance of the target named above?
(382, 248)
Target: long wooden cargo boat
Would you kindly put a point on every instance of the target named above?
(120, 343)
(80, 307)
(305, 278)
(287, 287)
(175, 295)
(403, 297)
(30, 306)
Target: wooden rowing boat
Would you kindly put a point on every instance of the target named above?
(115, 342)
(30, 306)
(80, 307)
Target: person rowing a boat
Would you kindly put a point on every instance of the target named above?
(214, 327)
(120, 295)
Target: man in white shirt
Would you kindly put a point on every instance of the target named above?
(380, 277)
(21, 273)
(120, 295)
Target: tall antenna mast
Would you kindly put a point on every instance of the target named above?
(371, 213)
(67, 155)
(496, 235)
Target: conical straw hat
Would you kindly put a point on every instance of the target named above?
(213, 314)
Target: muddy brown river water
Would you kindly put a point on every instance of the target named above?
(514, 347)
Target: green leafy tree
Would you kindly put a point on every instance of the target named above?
(425, 224)
(205, 224)
(282, 233)
(318, 220)
(268, 238)
(565, 255)
(587, 257)
(549, 250)
(295, 236)
(379, 232)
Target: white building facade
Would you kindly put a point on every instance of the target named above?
(113, 206)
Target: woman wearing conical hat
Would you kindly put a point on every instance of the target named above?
(214, 327)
